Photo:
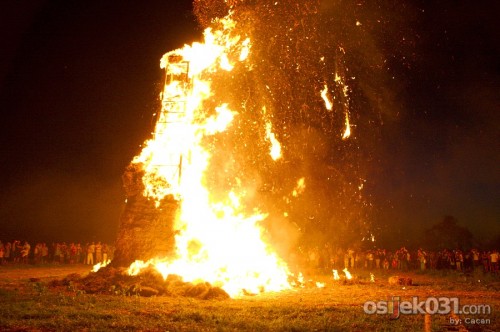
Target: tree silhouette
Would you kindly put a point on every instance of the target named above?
(447, 234)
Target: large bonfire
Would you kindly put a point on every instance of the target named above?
(215, 241)
(222, 177)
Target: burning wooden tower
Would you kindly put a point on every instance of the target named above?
(146, 226)
(176, 220)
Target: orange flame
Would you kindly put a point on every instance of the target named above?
(98, 266)
(324, 95)
(300, 279)
(347, 131)
(347, 274)
(215, 241)
(275, 144)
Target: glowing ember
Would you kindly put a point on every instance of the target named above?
(372, 277)
(320, 284)
(324, 95)
(340, 81)
(299, 189)
(347, 131)
(215, 241)
(348, 275)
(336, 275)
(275, 145)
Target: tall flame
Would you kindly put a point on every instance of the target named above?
(215, 241)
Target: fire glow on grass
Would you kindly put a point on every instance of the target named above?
(215, 242)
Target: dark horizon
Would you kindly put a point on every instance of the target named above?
(80, 83)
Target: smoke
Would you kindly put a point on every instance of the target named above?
(298, 48)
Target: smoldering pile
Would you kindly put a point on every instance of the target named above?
(400, 281)
(115, 281)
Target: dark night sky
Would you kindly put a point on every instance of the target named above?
(442, 157)
(80, 82)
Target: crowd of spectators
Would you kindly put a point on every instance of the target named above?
(321, 258)
(403, 259)
(22, 252)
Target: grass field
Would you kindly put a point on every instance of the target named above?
(31, 305)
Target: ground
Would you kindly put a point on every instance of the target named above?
(28, 302)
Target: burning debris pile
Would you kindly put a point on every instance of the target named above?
(112, 281)
(402, 281)
(248, 122)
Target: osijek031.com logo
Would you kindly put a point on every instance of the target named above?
(431, 305)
